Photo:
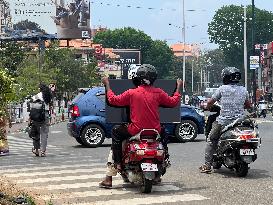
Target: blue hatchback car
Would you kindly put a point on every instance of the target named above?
(87, 122)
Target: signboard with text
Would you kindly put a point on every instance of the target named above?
(127, 56)
(254, 62)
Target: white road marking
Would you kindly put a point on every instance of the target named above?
(55, 132)
(57, 172)
(150, 200)
(60, 179)
(72, 195)
(51, 167)
(67, 157)
(75, 185)
(17, 140)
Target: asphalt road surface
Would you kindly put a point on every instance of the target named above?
(70, 174)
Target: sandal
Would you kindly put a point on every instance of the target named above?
(36, 152)
(104, 185)
(205, 169)
(43, 154)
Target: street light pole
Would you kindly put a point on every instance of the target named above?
(184, 42)
(253, 51)
(192, 76)
(245, 48)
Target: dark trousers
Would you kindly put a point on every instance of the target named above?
(212, 142)
(121, 133)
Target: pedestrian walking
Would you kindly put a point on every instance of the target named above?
(39, 120)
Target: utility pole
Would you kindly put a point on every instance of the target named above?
(245, 48)
(192, 76)
(253, 52)
(184, 44)
(201, 81)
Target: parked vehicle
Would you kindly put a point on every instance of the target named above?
(237, 145)
(87, 122)
(262, 108)
(144, 159)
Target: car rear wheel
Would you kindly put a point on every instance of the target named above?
(186, 131)
(92, 135)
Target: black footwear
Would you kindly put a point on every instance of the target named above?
(36, 152)
(205, 169)
(105, 185)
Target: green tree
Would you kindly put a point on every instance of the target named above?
(213, 62)
(226, 30)
(177, 72)
(29, 77)
(6, 92)
(70, 73)
(26, 24)
(12, 55)
(154, 52)
(161, 56)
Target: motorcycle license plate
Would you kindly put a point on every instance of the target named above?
(247, 152)
(149, 167)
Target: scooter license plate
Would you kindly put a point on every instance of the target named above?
(247, 152)
(149, 167)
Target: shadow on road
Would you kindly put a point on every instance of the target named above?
(82, 146)
(252, 173)
(135, 188)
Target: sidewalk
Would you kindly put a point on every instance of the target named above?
(17, 127)
(20, 127)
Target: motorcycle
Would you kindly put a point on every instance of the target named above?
(237, 145)
(144, 159)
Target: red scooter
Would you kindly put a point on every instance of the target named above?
(144, 159)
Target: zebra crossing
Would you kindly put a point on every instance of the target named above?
(74, 178)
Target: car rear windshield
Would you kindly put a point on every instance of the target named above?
(77, 97)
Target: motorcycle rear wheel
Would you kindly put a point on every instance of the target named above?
(242, 169)
(147, 185)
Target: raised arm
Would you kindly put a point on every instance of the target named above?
(171, 101)
(117, 100)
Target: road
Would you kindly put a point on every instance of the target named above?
(70, 174)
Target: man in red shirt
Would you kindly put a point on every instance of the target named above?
(144, 102)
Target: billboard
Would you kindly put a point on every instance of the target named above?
(66, 19)
(127, 56)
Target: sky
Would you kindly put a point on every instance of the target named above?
(154, 21)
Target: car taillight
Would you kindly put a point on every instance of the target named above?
(75, 112)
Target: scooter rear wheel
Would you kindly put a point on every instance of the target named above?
(147, 185)
(242, 169)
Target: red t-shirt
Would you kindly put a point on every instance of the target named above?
(144, 103)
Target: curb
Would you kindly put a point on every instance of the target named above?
(10, 188)
(24, 130)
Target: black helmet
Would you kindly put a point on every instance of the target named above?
(146, 74)
(231, 75)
